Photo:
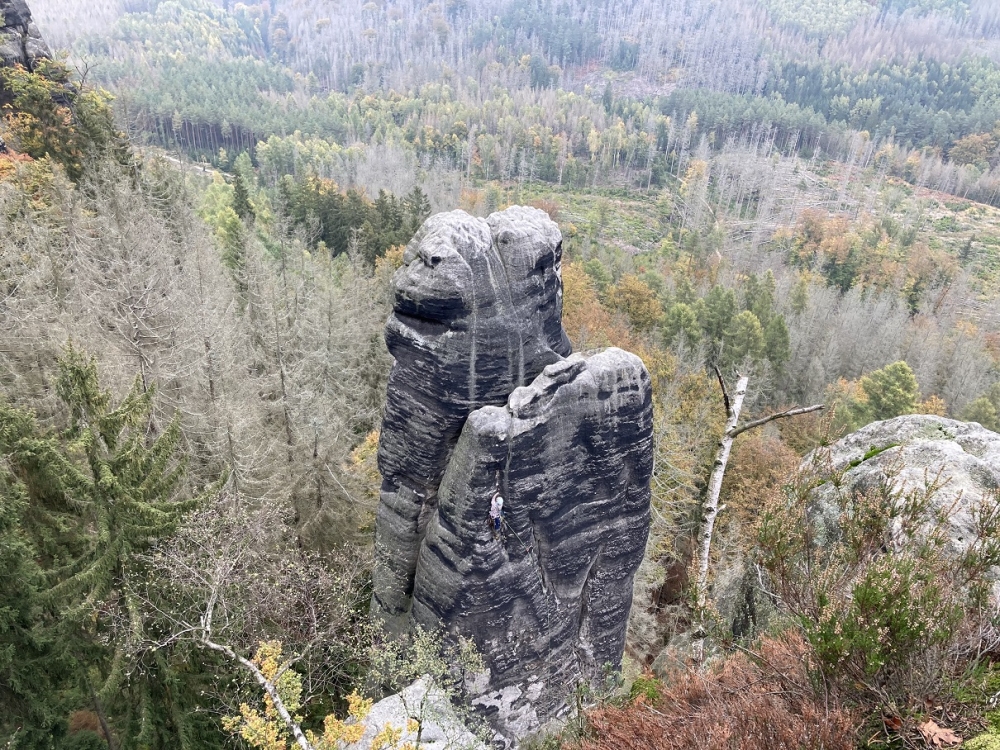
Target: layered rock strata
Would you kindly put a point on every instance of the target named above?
(477, 313)
(548, 606)
(484, 397)
(20, 41)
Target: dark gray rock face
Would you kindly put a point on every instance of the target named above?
(547, 607)
(477, 313)
(483, 397)
(20, 41)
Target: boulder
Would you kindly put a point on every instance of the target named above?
(440, 727)
(912, 452)
(961, 459)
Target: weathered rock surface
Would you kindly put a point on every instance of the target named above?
(20, 41)
(549, 606)
(484, 396)
(440, 726)
(961, 458)
(477, 313)
(910, 452)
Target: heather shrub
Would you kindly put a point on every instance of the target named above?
(754, 701)
(887, 602)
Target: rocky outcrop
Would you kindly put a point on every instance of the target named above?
(960, 459)
(20, 41)
(485, 397)
(477, 313)
(439, 725)
(548, 606)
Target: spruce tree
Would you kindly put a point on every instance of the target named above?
(241, 198)
(417, 207)
(78, 507)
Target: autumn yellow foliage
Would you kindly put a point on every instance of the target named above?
(590, 325)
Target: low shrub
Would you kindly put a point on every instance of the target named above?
(881, 594)
(759, 701)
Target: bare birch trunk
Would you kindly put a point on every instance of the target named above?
(711, 509)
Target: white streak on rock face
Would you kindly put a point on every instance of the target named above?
(507, 707)
(484, 396)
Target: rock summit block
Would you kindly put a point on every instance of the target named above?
(484, 397)
(20, 41)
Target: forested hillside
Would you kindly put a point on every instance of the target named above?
(201, 208)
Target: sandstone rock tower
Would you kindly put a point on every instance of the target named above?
(20, 41)
(485, 396)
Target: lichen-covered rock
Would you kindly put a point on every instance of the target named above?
(20, 41)
(547, 606)
(960, 459)
(477, 313)
(439, 726)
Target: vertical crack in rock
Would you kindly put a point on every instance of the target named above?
(484, 396)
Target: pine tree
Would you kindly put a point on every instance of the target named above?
(891, 391)
(241, 198)
(417, 208)
(28, 668)
(777, 343)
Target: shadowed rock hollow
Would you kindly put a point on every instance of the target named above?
(483, 397)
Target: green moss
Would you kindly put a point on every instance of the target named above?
(871, 453)
(987, 741)
(646, 687)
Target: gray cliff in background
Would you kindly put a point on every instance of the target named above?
(20, 41)
(484, 396)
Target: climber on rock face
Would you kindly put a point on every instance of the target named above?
(3, 147)
(496, 513)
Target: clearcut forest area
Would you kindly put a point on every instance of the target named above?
(204, 210)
